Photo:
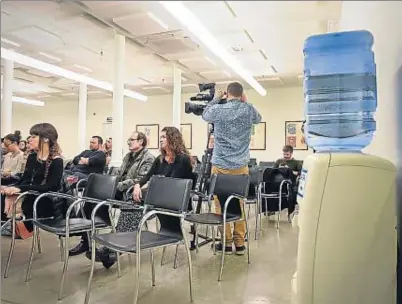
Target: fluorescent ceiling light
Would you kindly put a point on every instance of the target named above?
(193, 24)
(227, 73)
(68, 94)
(95, 92)
(55, 70)
(162, 24)
(210, 60)
(10, 42)
(50, 56)
(28, 101)
(31, 102)
(78, 66)
(189, 85)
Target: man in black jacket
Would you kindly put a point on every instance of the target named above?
(87, 162)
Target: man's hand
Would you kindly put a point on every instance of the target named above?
(220, 93)
(137, 195)
(83, 161)
(295, 173)
(243, 98)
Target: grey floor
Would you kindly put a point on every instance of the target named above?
(265, 281)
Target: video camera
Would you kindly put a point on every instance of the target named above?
(197, 108)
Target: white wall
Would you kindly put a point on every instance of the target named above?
(278, 106)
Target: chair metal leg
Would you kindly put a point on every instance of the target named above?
(176, 256)
(39, 244)
(12, 246)
(248, 238)
(223, 249)
(91, 273)
(66, 258)
(61, 249)
(137, 276)
(31, 257)
(196, 237)
(163, 256)
(153, 267)
(190, 265)
(257, 208)
(213, 240)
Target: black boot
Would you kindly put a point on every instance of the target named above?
(80, 248)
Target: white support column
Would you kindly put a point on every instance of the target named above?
(118, 99)
(7, 99)
(383, 19)
(82, 117)
(176, 97)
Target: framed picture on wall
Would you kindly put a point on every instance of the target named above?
(294, 135)
(187, 133)
(152, 134)
(258, 136)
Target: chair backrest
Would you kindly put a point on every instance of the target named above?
(224, 185)
(273, 178)
(101, 187)
(169, 193)
(252, 162)
(113, 170)
(256, 176)
(267, 164)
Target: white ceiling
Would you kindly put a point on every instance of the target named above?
(265, 36)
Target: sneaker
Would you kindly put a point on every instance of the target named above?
(228, 249)
(240, 250)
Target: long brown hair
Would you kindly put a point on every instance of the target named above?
(175, 142)
(47, 133)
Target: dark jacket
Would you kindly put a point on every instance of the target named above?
(96, 162)
(180, 168)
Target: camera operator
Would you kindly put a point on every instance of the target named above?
(233, 122)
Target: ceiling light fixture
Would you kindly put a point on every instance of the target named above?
(81, 67)
(31, 102)
(160, 22)
(55, 70)
(210, 60)
(193, 24)
(50, 56)
(10, 42)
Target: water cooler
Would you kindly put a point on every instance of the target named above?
(347, 219)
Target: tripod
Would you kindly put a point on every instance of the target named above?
(202, 186)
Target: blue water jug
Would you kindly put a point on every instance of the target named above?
(340, 91)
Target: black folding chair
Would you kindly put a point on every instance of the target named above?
(275, 192)
(99, 188)
(168, 199)
(253, 197)
(234, 188)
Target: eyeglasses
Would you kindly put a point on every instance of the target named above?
(131, 140)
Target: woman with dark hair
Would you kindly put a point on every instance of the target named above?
(43, 173)
(23, 145)
(13, 160)
(174, 160)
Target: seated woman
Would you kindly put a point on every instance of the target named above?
(13, 160)
(43, 173)
(174, 161)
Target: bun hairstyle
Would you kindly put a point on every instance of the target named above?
(15, 137)
(47, 135)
